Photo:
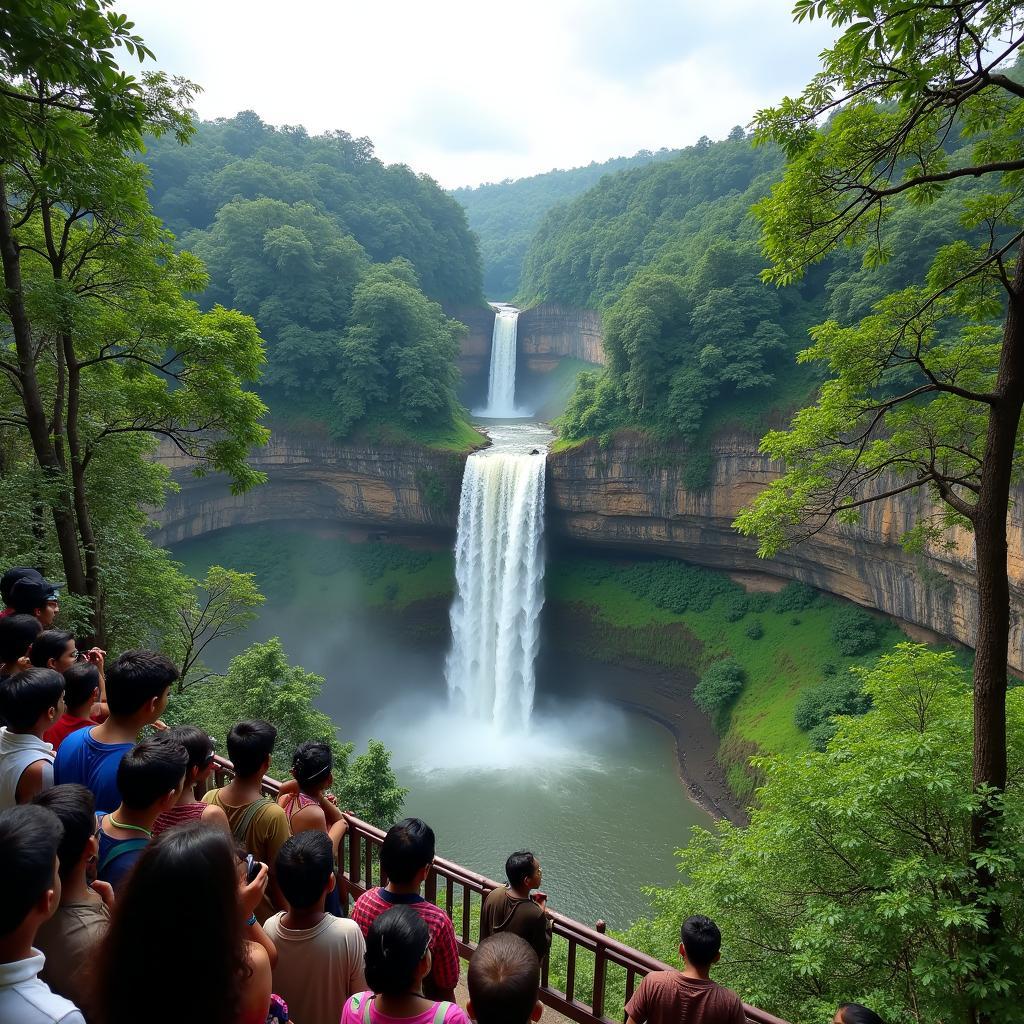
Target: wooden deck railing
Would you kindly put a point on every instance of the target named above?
(594, 962)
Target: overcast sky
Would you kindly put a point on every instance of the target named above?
(471, 90)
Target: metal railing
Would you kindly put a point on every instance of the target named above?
(593, 961)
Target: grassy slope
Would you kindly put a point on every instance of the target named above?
(788, 658)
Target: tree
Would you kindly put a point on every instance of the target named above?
(370, 788)
(927, 391)
(223, 608)
(854, 880)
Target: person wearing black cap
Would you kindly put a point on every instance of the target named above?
(7, 581)
(39, 598)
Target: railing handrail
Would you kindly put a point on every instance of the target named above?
(606, 949)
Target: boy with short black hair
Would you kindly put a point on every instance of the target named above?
(511, 908)
(504, 981)
(258, 824)
(29, 839)
(81, 698)
(138, 685)
(319, 956)
(36, 597)
(406, 857)
(17, 633)
(70, 937)
(30, 702)
(149, 778)
(666, 997)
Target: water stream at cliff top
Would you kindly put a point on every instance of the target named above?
(501, 379)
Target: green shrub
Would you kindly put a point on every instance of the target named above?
(821, 734)
(829, 669)
(759, 602)
(794, 597)
(736, 608)
(839, 695)
(855, 632)
(794, 620)
(677, 587)
(755, 630)
(719, 687)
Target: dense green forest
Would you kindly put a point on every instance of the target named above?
(671, 253)
(505, 214)
(343, 262)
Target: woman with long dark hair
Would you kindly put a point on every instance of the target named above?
(177, 947)
(397, 961)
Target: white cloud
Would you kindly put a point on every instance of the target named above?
(470, 91)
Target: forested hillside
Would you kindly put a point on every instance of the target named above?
(505, 214)
(671, 253)
(342, 261)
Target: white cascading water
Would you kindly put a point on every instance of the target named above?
(499, 574)
(501, 382)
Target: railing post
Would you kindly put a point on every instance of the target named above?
(600, 964)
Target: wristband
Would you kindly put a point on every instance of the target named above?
(252, 920)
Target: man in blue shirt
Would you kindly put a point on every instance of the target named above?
(138, 685)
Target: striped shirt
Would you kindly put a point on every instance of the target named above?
(180, 814)
(444, 971)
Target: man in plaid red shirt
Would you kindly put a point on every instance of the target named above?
(406, 857)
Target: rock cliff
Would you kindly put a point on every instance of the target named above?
(549, 333)
(631, 497)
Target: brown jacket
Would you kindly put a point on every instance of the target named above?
(503, 912)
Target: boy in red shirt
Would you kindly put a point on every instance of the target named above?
(81, 696)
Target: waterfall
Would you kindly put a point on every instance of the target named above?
(501, 383)
(499, 575)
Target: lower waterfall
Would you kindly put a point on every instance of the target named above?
(499, 576)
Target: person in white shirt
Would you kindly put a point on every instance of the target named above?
(319, 956)
(29, 838)
(30, 703)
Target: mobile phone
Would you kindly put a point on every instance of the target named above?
(252, 868)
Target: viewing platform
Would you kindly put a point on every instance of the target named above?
(595, 964)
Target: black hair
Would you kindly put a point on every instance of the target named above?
(395, 944)
(249, 745)
(303, 868)
(312, 763)
(701, 939)
(75, 807)
(150, 770)
(27, 695)
(407, 848)
(17, 633)
(136, 678)
(855, 1013)
(184, 887)
(51, 643)
(29, 838)
(519, 867)
(81, 680)
(503, 979)
(198, 744)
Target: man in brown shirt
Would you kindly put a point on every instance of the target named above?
(511, 909)
(669, 997)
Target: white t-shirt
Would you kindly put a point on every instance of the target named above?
(17, 752)
(317, 968)
(24, 999)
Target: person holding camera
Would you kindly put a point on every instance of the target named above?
(516, 908)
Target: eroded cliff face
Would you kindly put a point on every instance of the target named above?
(549, 333)
(384, 486)
(475, 348)
(631, 496)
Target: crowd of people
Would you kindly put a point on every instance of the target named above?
(127, 897)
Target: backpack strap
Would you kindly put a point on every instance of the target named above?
(247, 818)
(440, 1012)
(128, 846)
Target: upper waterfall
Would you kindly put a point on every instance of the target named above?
(499, 575)
(501, 381)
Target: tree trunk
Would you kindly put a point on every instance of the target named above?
(83, 516)
(35, 412)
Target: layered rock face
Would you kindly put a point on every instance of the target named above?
(475, 349)
(631, 496)
(549, 333)
(310, 479)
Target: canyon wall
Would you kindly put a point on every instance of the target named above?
(549, 333)
(630, 496)
(475, 349)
